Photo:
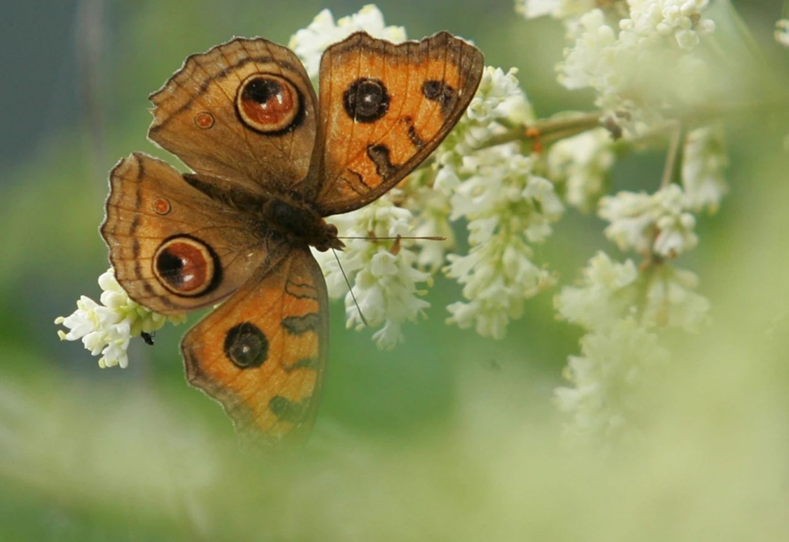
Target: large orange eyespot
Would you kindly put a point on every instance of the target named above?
(186, 266)
(269, 104)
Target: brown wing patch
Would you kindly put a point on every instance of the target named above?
(173, 248)
(261, 354)
(383, 109)
(244, 110)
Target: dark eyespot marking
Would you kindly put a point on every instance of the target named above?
(366, 100)
(269, 104)
(246, 346)
(187, 266)
(287, 410)
(379, 154)
(438, 91)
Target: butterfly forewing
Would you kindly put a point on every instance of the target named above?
(244, 111)
(383, 109)
(262, 353)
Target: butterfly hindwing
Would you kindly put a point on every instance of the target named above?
(261, 354)
(174, 248)
(383, 109)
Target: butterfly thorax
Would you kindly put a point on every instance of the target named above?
(300, 224)
(277, 214)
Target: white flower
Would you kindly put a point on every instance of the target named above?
(642, 64)
(107, 328)
(782, 32)
(383, 273)
(650, 223)
(670, 299)
(703, 165)
(661, 296)
(582, 163)
(309, 43)
(558, 9)
(606, 380)
(605, 295)
(505, 206)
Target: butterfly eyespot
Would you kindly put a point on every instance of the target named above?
(440, 92)
(366, 100)
(204, 120)
(268, 104)
(161, 206)
(186, 266)
(246, 345)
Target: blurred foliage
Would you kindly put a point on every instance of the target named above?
(447, 437)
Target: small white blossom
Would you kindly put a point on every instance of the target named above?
(107, 328)
(650, 223)
(384, 282)
(606, 380)
(499, 96)
(309, 43)
(558, 9)
(582, 163)
(671, 301)
(782, 32)
(605, 295)
(662, 296)
(703, 165)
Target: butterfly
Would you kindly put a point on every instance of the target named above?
(271, 160)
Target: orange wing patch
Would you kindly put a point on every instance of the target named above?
(262, 353)
(384, 108)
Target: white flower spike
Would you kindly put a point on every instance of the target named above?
(107, 328)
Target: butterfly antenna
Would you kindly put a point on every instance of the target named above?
(376, 238)
(350, 289)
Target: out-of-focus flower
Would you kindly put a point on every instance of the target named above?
(607, 379)
(782, 32)
(582, 163)
(703, 165)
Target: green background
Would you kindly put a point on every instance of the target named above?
(449, 436)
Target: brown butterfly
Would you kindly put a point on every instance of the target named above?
(271, 160)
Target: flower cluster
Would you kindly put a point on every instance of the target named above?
(625, 54)
(580, 165)
(623, 311)
(613, 368)
(107, 328)
(382, 268)
(650, 223)
(309, 43)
